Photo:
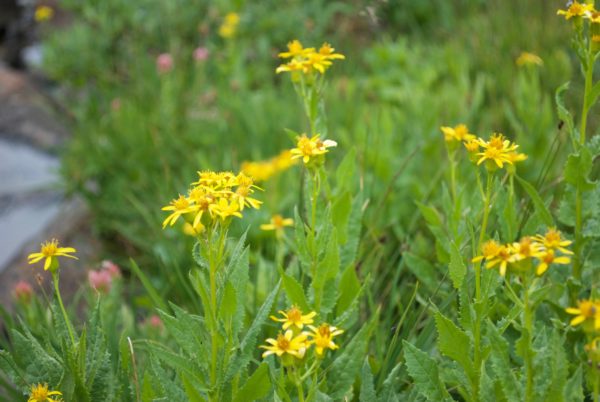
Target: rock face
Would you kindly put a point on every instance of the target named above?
(33, 207)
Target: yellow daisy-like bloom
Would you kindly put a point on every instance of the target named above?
(322, 337)
(244, 190)
(553, 240)
(529, 59)
(576, 9)
(329, 53)
(295, 49)
(586, 310)
(594, 17)
(50, 251)
(489, 250)
(307, 148)
(40, 393)
(286, 343)
(294, 317)
(264, 170)
(179, 206)
(458, 133)
(497, 149)
(278, 224)
(526, 248)
(501, 259)
(43, 13)
(294, 65)
(229, 27)
(472, 146)
(547, 257)
(225, 209)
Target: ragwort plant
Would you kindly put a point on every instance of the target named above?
(505, 346)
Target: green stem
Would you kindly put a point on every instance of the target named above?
(486, 208)
(528, 325)
(298, 381)
(214, 262)
(578, 233)
(451, 155)
(55, 278)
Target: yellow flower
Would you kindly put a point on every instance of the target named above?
(458, 133)
(515, 157)
(294, 317)
(40, 393)
(552, 240)
(489, 249)
(43, 13)
(295, 49)
(586, 310)
(229, 27)
(547, 257)
(576, 9)
(225, 209)
(472, 146)
(503, 257)
(191, 230)
(278, 223)
(318, 62)
(179, 206)
(328, 52)
(497, 150)
(529, 59)
(50, 251)
(286, 343)
(307, 148)
(293, 65)
(322, 337)
(244, 190)
(526, 248)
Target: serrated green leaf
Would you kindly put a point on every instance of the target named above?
(431, 215)
(256, 387)
(367, 389)
(294, 292)
(388, 391)
(578, 168)
(347, 363)
(501, 365)
(562, 111)
(345, 172)
(424, 370)
(592, 96)
(348, 288)
(573, 389)
(422, 270)
(454, 343)
(457, 267)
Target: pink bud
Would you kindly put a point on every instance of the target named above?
(155, 322)
(112, 268)
(201, 54)
(100, 280)
(23, 292)
(164, 63)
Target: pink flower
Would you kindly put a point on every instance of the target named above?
(201, 53)
(23, 292)
(155, 322)
(112, 268)
(164, 63)
(101, 280)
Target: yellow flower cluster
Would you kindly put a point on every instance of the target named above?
(577, 9)
(307, 148)
(40, 393)
(214, 195)
(295, 342)
(308, 60)
(264, 170)
(518, 256)
(229, 26)
(586, 312)
(497, 150)
(529, 59)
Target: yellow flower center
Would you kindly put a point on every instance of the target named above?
(490, 248)
(243, 191)
(324, 331)
(181, 203)
(50, 248)
(504, 253)
(294, 315)
(525, 246)
(497, 141)
(278, 221)
(553, 238)
(587, 308)
(282, 342)
(548, 258)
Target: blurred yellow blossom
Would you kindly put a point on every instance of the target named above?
(43, 13)
(307, 148)
(529, 59)
(458, 133)
(50, 251)
(277, 223)
(229, 26)
(586, 310)
(308, 60)
(576, 9)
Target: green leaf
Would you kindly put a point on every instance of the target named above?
(348, 288)
(294, 292)
(592, 96)
(367, 389)
(388, 391)
(424, 370)
(573, 389)
(539, 205)
(156, 299)
(346, 171)
(562, 111)
(422, 269)
(347, 364)
(256, 387)
(578, 168)
(431, 215)
(501, 366)
(457, 267)
(454, 343)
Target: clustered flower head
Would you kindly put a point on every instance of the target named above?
(264, 170)
(311, 148)
(498, 150)
(229, 26)
(295, 342)
(576, 9)
(40, 393)
(541, 249)
(308, 60)
(216, 195)
(50, 250)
